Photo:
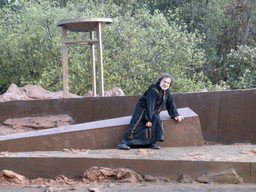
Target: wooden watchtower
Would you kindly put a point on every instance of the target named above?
(84, 25)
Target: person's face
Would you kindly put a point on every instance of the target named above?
(165, 83)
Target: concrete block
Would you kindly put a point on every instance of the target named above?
(104, 134)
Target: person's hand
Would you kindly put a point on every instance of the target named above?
(179, 118)
(149, 124)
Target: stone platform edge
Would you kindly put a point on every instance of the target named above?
(50, 167)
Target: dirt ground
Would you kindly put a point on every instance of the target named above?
(136, 187)
(62, 183)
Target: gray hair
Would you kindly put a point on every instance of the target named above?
(165, 75)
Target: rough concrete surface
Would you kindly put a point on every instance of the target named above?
(223, 153)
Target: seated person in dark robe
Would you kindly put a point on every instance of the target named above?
(146, 127)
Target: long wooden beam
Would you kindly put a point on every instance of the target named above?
(84, 42)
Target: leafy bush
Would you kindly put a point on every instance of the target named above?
(137, 47)
(241, 68)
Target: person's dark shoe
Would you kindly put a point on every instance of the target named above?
(155, 146)
(123, 146)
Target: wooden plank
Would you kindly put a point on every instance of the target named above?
(84, 24)
(84, 42)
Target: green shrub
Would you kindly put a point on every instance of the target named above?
(137, 47)
(241, 68)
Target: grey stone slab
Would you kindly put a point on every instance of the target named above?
(104, 134)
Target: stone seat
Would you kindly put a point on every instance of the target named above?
(104, 134)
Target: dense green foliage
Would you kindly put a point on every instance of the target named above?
(192, 40)
(240, 68)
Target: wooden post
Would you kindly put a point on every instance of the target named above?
(93, 66)
(65, 62)
(100, 61)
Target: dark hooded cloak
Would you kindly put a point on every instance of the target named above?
(147, 109)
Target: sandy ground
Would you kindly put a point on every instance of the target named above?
(141, 187)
